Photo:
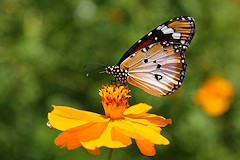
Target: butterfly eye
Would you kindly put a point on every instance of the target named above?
(108, 70)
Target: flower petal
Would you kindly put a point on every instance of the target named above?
(150, 119)
(137, 109)
(146, 147)
(95, 151)
(110, 138)
(64, 118)
(70, 141)
(73, 138)
(139, 131)
(118, 136)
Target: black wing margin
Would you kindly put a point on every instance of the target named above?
(178, 32)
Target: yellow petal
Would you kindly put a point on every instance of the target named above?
(73, 113)
(70, 141)
(63, 118)
(62, 123)
(150, 119)
(73, 138)
(159, 120)
(73, 145)
(139, 131)
(110, 138)
(118, 136)
(137, 109)
(89, 132)
(146, 147)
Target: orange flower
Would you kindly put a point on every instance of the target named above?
(114, 129)
(214, 96)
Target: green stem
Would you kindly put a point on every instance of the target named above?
(110, 154)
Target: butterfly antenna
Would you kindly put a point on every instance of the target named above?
(98, 64)
(95, 69)
(101, 72)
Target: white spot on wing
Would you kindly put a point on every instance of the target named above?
(160, 27)
(183, 41)
(132, 55)
(167, 30)
(176, 35)
(164, 27)
(144, 50)
(150, 46)
(150, 33)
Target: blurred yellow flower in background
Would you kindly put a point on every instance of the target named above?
(114, 129)
(214, 96)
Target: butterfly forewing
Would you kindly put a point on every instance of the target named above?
(178, 31)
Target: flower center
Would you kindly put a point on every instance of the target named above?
(114, 100)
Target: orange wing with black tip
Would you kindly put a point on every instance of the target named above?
(156, 63)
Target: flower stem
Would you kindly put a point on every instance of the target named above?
(110, 154)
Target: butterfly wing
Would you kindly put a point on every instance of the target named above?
(156, 63)
(178, 31)
(156, 69)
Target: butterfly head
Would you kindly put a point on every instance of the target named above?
(119, 74)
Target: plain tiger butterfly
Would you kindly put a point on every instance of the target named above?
(156, 63)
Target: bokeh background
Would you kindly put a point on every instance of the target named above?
(44, 45)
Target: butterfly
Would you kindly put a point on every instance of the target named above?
(156, 63)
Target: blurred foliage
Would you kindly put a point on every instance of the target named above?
(45, 44)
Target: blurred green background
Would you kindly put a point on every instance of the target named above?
(45, 44)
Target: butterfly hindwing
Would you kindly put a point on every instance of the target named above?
(157, 70)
